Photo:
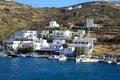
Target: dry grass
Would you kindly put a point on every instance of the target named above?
(106, 48)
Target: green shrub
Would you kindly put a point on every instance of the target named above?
(25, 50)
(6, 10)
(79, 51)
(65, 45)
(49, 39)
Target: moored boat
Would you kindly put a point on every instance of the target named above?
(3, 55)
(89, 60)
(109, 61)
(56, 56)
(12, 55)
(83, 58)
(117, 60)
(62, 58)
(78, 59)
(118, 63)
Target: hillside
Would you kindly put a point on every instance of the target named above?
(15, 17)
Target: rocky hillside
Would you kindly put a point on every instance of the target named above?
(15, 17)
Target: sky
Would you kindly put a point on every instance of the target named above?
(53, 3)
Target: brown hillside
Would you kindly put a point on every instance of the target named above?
(15, 17)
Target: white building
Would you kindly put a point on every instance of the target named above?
(79, 33)
(37, 45)
(43, 33)
(53, 24)
(105, 0)
(117, 5)
(69, 8)
(90, 23)
(62, 34)
(85, 43)
(26, 34)
(57, 44)
(68, 50)
(78, 7)
(13, 45)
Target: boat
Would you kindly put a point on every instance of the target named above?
(56, 57)
(35, 55)
(109, 61)
(12, 55)
(78, 59)
(51, 57)
(89, 60)
(83, 58)
(118, 63)
(118, 60)
(23, 55)
(3, 55)
(62, 58)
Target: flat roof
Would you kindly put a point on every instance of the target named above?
(77, 45)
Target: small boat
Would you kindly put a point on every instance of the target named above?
(62, 58)
(83, 58)
(51, 57)
(23, 55)
(56, 57)
(34, 55)
(3, 55)
(118, 60)
(109, 61)
(13, 55)
(89, 60)
(78, 59)
(118, 63)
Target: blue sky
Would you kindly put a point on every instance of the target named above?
(53, 3)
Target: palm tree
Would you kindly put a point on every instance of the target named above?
(65, 45)
(79, 51)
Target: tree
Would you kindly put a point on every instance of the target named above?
(65, 45)
(6, 10)
(49, 39)
(1, 49)
(79, 51)
(25, 50)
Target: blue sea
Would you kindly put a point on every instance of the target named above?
(45, 69)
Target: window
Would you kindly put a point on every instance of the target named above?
(57, 42)
(57, 33)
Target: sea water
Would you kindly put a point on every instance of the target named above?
(50, 69)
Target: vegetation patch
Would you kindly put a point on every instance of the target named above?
(25, 50)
